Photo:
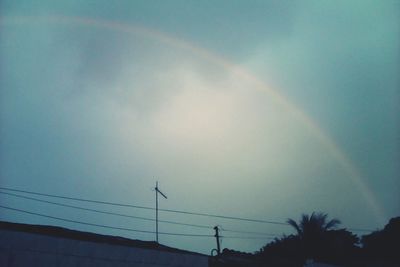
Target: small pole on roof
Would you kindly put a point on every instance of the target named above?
(157, 192)
(217, 237)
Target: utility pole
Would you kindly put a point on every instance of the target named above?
(157, 191)
(217, 237)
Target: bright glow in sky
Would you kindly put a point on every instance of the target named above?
(263, 110)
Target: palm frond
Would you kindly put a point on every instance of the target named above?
(332, 224)
(294, 224)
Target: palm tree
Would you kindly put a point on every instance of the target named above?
(315, 224)
(312, 230)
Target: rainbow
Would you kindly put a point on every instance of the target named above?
(239, 71)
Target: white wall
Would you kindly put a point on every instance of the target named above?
(27, 249)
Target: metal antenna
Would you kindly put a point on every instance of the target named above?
(158, 191)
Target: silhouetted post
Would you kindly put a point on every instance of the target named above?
(157, 191)
(156, 212)
(217, 237)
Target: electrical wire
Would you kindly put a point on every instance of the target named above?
(105, 212)
(148, 208)
(226, 217)
(247, 232)
(165, 210)
(77, 199)
(127, 229)
(101, 225)
(249, 237)
(133, 217)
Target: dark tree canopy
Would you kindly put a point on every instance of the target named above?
(384, 244)
(313, 225)
(315, 239)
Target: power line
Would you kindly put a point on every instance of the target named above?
(248, 237)
(75, 207)
(133, 217)
(105, 212)
(247, 232)
(77, 199)
(166, 210)
(127, 229)
(101, 225)
(226, 217)
(148, 208)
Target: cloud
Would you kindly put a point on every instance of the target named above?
(88, 111)
(339, 65)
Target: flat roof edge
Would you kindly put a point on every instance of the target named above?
(57, 231)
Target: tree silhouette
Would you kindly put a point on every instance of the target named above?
(383, 244)
(314, 239)
(285, 251)
(314, 225)
(318, 240)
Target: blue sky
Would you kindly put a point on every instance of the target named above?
(259, 109)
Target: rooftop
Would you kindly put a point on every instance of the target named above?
(61, 232)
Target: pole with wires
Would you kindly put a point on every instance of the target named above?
(217, 237)
(157, 192)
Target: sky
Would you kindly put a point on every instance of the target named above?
(253, 109)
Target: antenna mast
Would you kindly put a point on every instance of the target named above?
(157, 192)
